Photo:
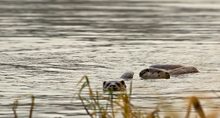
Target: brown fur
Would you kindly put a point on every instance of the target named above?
(176, 69)
(154, 73)
(114, 85)
(164, 71)
(183, 70)
(166, 66)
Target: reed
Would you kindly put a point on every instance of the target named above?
(113, 105)
(15, 106)
(32, 106)
(121, 104)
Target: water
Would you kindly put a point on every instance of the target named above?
(48, 45)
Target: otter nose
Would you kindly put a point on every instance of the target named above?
(112, 86)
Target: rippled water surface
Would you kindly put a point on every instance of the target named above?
(48, 45)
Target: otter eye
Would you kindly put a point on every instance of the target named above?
(147, 70)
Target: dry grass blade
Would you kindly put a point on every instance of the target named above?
(81, 98)
(194, 101)
(85, 84)
(15, 105)
(97, 100)
(84, 105)
(80, 81)
(111, 103)
(123, 105)
(130, 89)
(88, 84)
(94, 104)
(32, 106)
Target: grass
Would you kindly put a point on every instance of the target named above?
(114, 105)
(120, 105)
(15, 106)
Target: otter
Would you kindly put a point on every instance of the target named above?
(114, 85)
(183, 70)
(165, 71)
(154, 73)
(176, 69)
(166, 66)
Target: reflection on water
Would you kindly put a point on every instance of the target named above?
(48, 45)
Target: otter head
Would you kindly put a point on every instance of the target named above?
(114, 85)
(154, 73)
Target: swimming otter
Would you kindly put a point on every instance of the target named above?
(165, 71)
(183, 70)
(166, 66)
(154, 73)
(114, 85)
(176, 69)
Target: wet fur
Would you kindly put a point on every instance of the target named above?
(164, 71)
(154, 73)
(114, 85)
(183, 70)
(177, 69)
(166, 66)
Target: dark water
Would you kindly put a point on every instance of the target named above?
(48, 45)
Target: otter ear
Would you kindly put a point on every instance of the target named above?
(122, 82)
(104, 83)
